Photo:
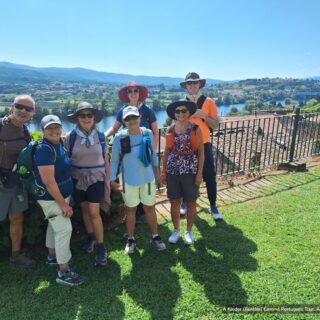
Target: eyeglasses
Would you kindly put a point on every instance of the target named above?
(178, 111)
(85, 115)
(190, 83)
(133, 90)
(21, 107)
(128, 118)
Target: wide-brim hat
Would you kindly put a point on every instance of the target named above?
(191, 106)
(123, 95)
(82, 106)
(193, 76)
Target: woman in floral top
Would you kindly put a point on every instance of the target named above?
(182, 165)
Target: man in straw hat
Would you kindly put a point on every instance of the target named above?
(206, 117)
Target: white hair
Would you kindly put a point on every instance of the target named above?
(20, 97)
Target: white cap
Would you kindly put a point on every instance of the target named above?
(50, 119)
(130, 110)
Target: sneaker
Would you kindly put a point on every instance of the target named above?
(22, 260)
(174, 236)
(130, 246)
(69, 278)
(183, 209)
(51, 261)
(101, 257)
(215, 213)
(188, 239)
(158, 243)
(89, 245)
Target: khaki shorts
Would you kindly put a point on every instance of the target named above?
(133, 195)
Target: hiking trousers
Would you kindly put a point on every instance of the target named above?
(209, 174)
(58, 231)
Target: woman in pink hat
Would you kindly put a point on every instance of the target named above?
(135, 95)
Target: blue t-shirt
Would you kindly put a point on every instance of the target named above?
(147, 116)
(62, 168)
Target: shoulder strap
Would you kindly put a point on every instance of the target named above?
(201, 101)
(102, 140)
(72, 140)
(171, 128)
(52, 149)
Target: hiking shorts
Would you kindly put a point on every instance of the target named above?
(58, 231)
(93, 194)
(182, 187)
(145, 193)
(12, 200)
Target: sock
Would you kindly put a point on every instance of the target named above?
(16, 253)
(91, 236)
(154, 235)
(51, 255)
(100, 246)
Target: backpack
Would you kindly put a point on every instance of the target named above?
(26, 168)
(193, 138)
(72, 140)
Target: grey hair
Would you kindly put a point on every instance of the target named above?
(20, 97)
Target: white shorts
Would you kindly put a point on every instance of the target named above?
(133, 195)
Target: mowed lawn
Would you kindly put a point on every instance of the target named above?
(266, 252)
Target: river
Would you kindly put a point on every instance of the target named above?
(107, 122)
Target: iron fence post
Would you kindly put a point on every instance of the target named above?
(294, 133)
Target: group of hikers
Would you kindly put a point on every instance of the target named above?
(77, 169)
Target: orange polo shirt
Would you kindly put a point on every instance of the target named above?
(210, 109)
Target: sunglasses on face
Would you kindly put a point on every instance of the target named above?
(85, 115)
(133, 90)
(128, 118)
(190, 83)
(178, 111)
(21, 107)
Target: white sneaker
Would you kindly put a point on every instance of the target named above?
(217, 216)
(183, 209)
(188, 239)
(174, 236)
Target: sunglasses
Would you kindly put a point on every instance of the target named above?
(128, 118)
(178, 111)
(85, 115)
(133, 90)
(190, 83)
(21, 107)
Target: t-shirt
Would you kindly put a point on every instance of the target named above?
(147, 116)
(62, 167)
(9, 150)
(210, 109)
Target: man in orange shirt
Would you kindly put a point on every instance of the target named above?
(206, 117)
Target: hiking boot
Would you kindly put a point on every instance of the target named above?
(23, 261)
(51, 260)
(69, 278)
(101, 257)
(130, 246)
(183, 209)
(188, 239)
(88, 247)
(158, 243)
(175, 236)
(215, 213)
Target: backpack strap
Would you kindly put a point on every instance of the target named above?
(72, 140)
(102, 140)
(201, 101)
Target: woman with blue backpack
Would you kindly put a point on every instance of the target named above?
(135, 161)
(88, 150)
(53, 176)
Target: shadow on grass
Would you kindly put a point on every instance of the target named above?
(151, 283)
(231, 251)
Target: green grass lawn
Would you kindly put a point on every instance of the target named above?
(265, 253)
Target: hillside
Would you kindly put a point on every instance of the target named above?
(17, 73)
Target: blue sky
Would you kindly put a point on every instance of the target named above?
(225, 39)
